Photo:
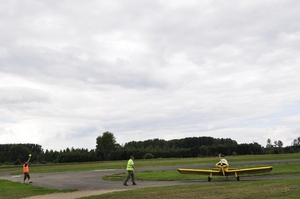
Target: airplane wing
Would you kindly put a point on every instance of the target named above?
(249, 170)
(228, 172)
(235, 172)
(209, 172)
(198, 171)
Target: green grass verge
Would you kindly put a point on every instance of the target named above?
(14, 190)
(275, 189)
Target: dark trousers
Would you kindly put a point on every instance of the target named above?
(26, 175)
(130, 175)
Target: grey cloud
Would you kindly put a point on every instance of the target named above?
(150, 68)
(22, 95)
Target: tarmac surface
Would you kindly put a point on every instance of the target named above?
(92, 180)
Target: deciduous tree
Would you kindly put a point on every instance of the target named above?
(106, 144)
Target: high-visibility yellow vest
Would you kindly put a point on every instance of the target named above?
(129, 165)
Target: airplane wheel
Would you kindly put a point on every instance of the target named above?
(209, 179)
(238, 178)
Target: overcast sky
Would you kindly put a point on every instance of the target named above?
(71, 70)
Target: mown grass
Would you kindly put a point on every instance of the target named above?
(14, 190)
(275, 189)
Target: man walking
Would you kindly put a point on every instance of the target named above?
(130, 170)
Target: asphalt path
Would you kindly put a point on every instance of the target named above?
(92, 180)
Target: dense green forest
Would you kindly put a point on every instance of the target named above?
(108, 149)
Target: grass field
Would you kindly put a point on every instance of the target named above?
(14, 190)
(275, 189)
(284, 188)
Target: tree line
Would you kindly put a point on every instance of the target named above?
(108, 149)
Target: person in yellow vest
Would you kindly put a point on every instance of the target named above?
(26, 170)
(130, 170)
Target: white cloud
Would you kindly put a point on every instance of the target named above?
(70, 71)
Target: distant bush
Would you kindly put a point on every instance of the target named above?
(148, 156)
(17, 162)
(5, 163)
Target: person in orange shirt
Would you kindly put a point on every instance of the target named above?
(26, 170)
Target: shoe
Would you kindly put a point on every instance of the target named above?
(30, 181)
(134, 184)
(125, 184)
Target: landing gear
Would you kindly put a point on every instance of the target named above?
(209, 177)
(236, 176)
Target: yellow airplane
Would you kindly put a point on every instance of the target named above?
(227, 171)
